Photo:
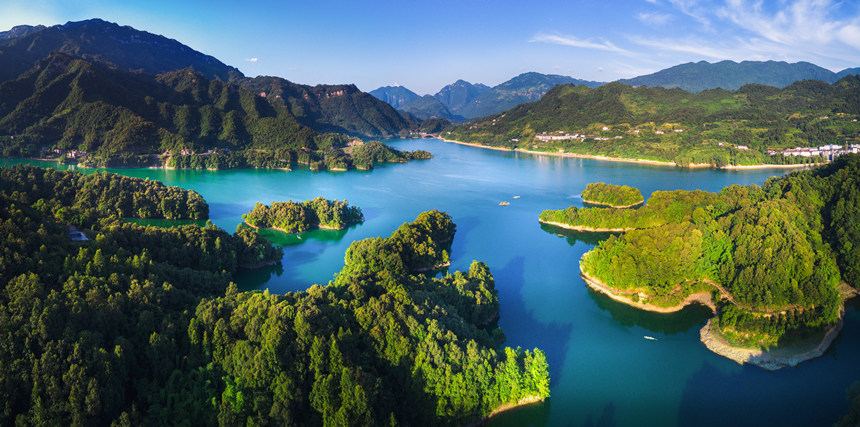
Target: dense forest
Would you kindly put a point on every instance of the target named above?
(615, 196)
(778, 250)
(180, 119)
(142, 325)
(716, 127)
(295, 217)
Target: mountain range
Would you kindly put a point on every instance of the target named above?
(730, 75)
(323, 108)
(47, 93)
(462, 100)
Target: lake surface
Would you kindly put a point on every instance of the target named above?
(603, 371)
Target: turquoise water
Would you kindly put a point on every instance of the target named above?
(603, 371)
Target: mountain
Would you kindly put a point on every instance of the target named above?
(730, 75)
(715, 126)
(428, 107)
(325, 108)
(459, 94)
(72, 103)
(331, 108)
(394, 95)
(121, 46)
(526, 87)
(848, 72)
(19, 31)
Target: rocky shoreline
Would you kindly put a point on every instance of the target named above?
(770, 360)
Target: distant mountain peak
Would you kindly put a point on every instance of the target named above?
(731, 75)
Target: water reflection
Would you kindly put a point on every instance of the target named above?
(589, 238)
(692, 316)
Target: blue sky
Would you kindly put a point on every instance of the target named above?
(426, 45)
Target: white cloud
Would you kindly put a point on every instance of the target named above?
(576, 42)
(253, 60)
(850, 35)
(654, 18)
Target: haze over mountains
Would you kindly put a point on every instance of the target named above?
(462, 100)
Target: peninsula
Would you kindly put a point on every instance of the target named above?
(767, 260)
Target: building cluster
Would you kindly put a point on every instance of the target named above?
(829, 152)
(72, 154)
(547, 137)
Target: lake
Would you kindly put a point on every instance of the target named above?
(604, 372)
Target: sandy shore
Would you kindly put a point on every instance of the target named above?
(585, 228)
(703, 298)
(714, 341)
(621, 159)
(591, 202)
(524, 401)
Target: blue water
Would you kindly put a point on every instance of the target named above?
(603, 371)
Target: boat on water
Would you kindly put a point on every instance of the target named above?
(504, 204)
(650, 338)
(516, 197)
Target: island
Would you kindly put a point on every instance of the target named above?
(295, 217)
(614, 196)
(773, 262)
(806, 123)
(144, 325)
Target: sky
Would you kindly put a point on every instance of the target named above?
(426, 45)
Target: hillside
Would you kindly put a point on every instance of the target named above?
(526, 87)
(331, 108)
(715, 127)
(428, 107)
(459, 94)
(98, 40)
(108, 112)
(394, 95)
(730, 75)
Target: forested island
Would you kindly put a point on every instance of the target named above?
(614, 196)
(768, 259)
(143, 326)
(295, 217)
(752, 125)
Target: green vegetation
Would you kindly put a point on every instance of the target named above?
(775, 253)
(141, 325)
(615, 196)
(293, 217)
(124, 119)
(715, 127)
(75, 198)
(366, 155)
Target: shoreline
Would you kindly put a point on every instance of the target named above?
(627, 160)
(642, 202)
(528, 400)
(585, 228)
(770, 360)
(702, 298)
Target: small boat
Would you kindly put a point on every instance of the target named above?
(504, 204)
(650, 338)
(299, 237)
(516, 197)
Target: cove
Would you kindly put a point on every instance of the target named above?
(603, 370)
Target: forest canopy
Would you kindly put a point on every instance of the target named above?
(779, 250)
(295, 217)
(143, 326)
